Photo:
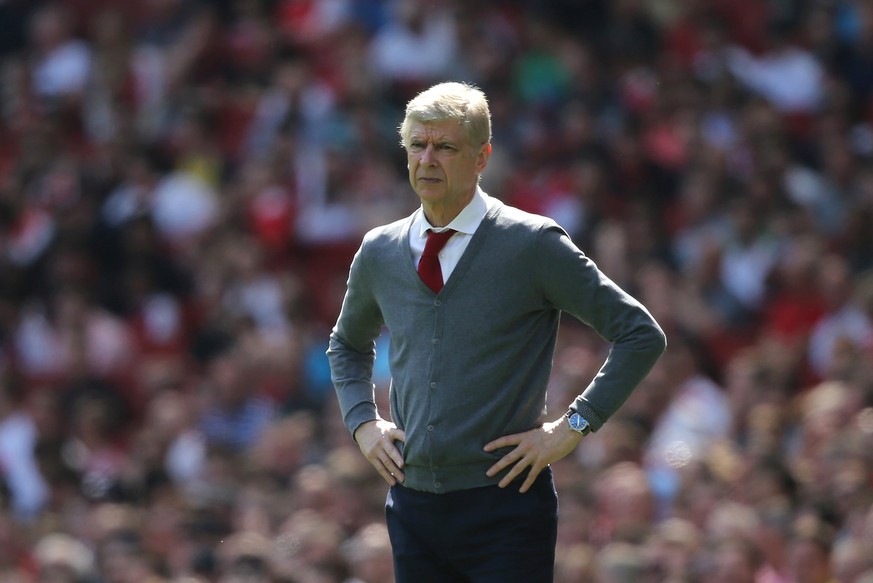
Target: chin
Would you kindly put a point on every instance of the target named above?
(430, 195)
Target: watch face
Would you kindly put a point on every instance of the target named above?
(578, 422)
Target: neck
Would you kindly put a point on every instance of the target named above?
(441, 214)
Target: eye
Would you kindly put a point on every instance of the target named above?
(415, 146)
(447, 147)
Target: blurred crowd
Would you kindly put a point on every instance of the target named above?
(183, 184)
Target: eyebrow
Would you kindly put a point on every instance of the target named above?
(437, 140)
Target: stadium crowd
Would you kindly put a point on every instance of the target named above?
(183, 184)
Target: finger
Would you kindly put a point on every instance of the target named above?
(395, 458)
(383, 471)
(392, 468)
(386, 467)
(386, 475)
(393, 454)
(531, 478)
(399, 476)
(503, 463)
(397, 435)
(513, 473)
(504, 441)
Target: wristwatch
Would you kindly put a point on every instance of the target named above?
(577, 422)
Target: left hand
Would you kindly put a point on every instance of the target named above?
(535, 449)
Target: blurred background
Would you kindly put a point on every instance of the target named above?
(183, 184)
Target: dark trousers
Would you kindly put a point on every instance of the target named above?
(481, 535)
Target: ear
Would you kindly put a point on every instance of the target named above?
(482, 157)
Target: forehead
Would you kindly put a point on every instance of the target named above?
(444, 130)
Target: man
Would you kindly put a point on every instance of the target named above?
(467, 451)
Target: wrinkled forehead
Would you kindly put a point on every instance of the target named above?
(437, 131)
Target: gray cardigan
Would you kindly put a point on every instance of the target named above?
(472, 363)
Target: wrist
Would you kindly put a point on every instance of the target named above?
(577, 423)
(361, 426)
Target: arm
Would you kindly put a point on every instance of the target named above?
(351, 353)
(352, 348)
(571, 282)
(574, 284)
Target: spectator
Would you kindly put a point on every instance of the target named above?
(734, 561)
(810, 551)
(235, 413)
(625, 503)
(672, 550)
(63, 559)
(62, 63)
(18, 434)
(169, 168)
(368, 554)
(415, 47)
(845, 326)
(850, 559)
(696, 419)
(620, 562)
(786, 74)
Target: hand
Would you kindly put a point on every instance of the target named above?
(536, 449)
(376, 439)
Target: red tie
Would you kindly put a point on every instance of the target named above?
(429, 269)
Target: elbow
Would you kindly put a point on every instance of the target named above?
(650, 337)
(657, 338)
(661, 339)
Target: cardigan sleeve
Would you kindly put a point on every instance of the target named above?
(351, 351)
(572, 283)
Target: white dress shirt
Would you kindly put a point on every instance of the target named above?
(466, 223)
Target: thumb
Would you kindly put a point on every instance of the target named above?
(397, 435)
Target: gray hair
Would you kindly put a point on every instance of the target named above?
(450, 101)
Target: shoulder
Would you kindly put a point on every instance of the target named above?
(510, 218)
(378, 238)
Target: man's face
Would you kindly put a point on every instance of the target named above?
(444, 167)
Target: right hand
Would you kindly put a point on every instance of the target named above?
(376, 439)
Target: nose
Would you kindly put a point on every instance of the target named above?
(427, 156)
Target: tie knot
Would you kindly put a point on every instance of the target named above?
(436, 241)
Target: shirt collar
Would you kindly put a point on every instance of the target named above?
(466, 222)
